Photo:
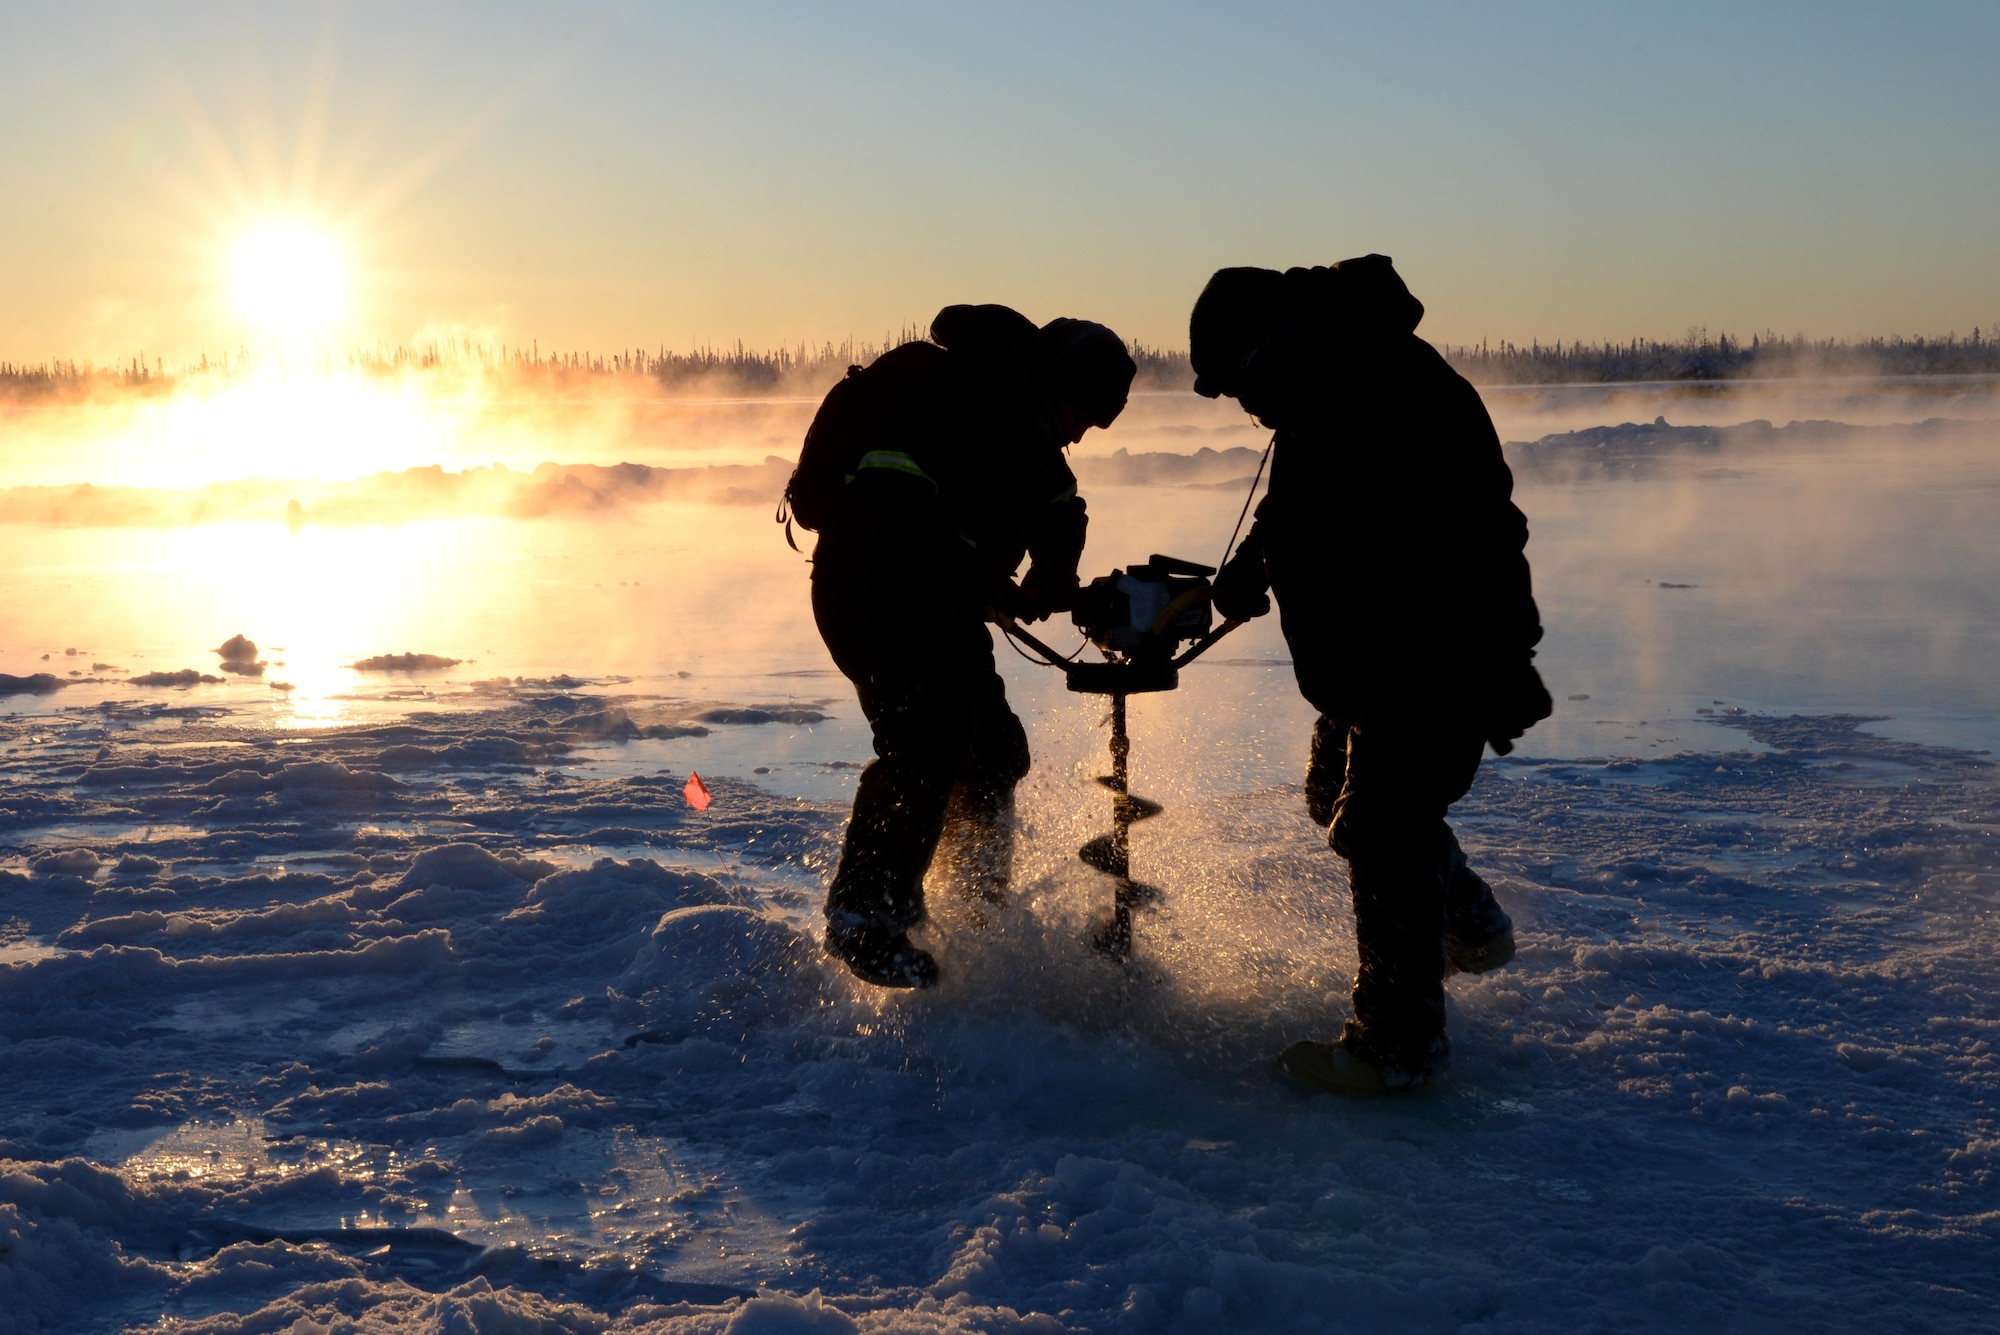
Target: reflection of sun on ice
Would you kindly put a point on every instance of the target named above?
(289, 279)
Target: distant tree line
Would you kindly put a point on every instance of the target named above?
(1700, 357)
(1695, 357)
(58, 379)
(805, 369)
(802, 368)
(739, 366)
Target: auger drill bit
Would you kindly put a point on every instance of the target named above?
(1138, 657)
(1112, 853)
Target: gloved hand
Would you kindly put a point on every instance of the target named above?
(1030, 605)
(1239, 590)
(1023, 602)
(1039, 596)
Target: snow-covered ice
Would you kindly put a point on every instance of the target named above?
(287, 1032)
(431, 1005)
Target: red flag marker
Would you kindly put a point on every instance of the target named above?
(696, 792)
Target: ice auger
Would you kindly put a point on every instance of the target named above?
(1138, 618)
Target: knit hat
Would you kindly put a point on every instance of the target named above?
(1232, 317)
(1086, 366)
(985, 330)
(1240, 310)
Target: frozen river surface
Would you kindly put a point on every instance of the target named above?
(424, 1002)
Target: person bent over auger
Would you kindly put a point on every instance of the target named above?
(1391, 540)
(930, 475)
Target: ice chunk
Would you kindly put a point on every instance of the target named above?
(611, 897)
(613, 724)
(470, 867)
(418, 748)
(331, 774)
(1861, 1059)
(773, 1313)
(185, 677)
(753, 716)
(313, 776)
(40, 683)
(276, 921)
(1664, 1263)
(72, 862)
(405, 663)
(239, 655)
(668, 731)
(536, 1131)
(720, 961)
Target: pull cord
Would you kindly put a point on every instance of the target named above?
(1230, 546)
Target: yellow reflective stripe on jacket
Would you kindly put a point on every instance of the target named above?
(894, 460)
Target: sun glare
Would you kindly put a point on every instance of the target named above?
(289, 279)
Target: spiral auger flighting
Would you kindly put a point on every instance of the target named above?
(1137, 618)
(1112, 853)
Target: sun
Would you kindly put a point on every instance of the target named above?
(289, 279)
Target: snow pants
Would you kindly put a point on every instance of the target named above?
(948, 748)
(1400, 780)
(1466, 896)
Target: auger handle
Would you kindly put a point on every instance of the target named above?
(1013, 628)
(1200, 646)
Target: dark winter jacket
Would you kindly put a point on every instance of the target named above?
(1389, 534)
(968, 476)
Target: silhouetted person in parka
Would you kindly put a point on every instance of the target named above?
(1391, 541)
(957, 473)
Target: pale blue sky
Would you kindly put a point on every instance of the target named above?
(622, 174)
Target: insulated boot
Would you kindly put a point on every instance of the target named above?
(878, 953)
(1478, 934)
(1350, 1067)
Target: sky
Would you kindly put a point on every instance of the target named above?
(619, 175)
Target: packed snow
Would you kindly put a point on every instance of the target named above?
(420, 998)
